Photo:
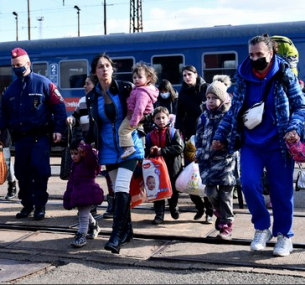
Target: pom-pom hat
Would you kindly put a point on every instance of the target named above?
(219, 89)
(16, 52)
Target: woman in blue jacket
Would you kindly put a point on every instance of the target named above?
(107, 108)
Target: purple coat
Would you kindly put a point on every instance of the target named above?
(82, 190)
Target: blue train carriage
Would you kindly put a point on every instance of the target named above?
(212, 50)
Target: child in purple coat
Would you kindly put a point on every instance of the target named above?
(82, 191)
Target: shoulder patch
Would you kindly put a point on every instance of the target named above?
(57, 93)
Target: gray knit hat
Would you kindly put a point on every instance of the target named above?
(219, 87)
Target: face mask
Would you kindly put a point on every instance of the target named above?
(19, 71)
(164, 95)
(259, 64)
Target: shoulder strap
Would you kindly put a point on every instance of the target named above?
(280, 76)
(172, 132)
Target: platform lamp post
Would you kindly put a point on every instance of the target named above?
(16, 17)
(77, 8)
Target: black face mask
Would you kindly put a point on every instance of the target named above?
(259, 64)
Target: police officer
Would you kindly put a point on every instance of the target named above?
(34, 112)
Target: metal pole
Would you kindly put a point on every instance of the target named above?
(16, 17)
(78, 18)
(29, 20)
(105, 20)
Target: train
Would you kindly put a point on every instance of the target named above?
(212, 50)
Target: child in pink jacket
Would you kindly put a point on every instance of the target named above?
(139, 103)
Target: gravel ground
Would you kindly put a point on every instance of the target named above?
(96, 273)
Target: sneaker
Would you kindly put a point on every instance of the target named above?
(157, 220)
(208, 219)
(261, 237)
(93, 230)
(79, 240)
(198, 215)
(225, 232)
(283, 246)
(128, 152)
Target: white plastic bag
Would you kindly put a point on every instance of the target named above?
(189, 181)
(300, 181)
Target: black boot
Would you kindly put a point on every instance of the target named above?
(127, 233)
(110, 208)
(199, 206)
(121, 208)
(11, 190)
(159, 207)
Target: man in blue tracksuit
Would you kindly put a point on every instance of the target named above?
(263, 75)
(34, 112)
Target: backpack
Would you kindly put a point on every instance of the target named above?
(172, 133)
(288, 51)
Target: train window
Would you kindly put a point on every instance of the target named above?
(123, 68)
(73, 73)
(6, 78)
(219, 63)
(168, 67)
(40, 68)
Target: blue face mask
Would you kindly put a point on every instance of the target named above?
(19, 71)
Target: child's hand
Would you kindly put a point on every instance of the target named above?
(155, 151)
(217, 145)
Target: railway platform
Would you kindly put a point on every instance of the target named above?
(36, 246)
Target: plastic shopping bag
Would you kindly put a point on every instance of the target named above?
(137, 190)
(156, 179)
(189, 181)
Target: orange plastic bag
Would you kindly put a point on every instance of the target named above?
(137, 191)
(3, 166)
(156, 179)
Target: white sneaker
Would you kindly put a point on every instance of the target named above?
(260, 239)
(283, 246)
(208, 219)
(128, 152)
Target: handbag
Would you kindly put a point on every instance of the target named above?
(156, 179)
(3, 166)
(66, 159)
(300, 181)
(189, 181)
(137, 190)
(254, 116)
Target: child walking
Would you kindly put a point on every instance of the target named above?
(165, 141)
(217, 168)
(82, 191)
(139, 103)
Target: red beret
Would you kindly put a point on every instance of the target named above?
(16, 52)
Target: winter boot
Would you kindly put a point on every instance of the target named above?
(11, 190)
(199, 206)
(127, 233)
(121, 208)
(110, 208)
(159, 207)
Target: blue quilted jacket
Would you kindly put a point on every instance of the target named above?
(284, 110)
